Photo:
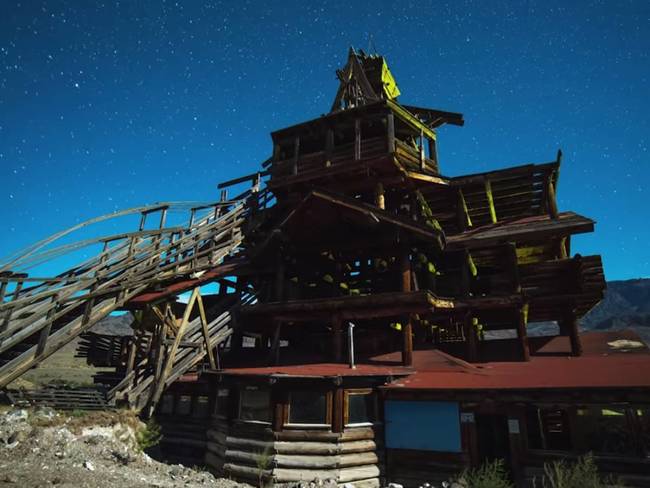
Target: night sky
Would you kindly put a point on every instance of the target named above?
(109, 105)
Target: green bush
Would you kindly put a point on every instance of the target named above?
(149, 435)
(581, 474)
(488, 475)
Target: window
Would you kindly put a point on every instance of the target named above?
(255, 404)
(308, 407)
(201, 407)
(604, 429)
(361, 407)
(222, 403)
(184, 405)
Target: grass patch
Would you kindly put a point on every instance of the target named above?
(149, 435)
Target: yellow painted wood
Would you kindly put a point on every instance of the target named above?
(488, 192)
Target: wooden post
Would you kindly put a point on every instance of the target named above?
(296, 155)
(357, 139)
(522, 332)
(45, 331)
(550, 195)
(275, 345)
(380, 200)
(338, 408)
(337, 338)
(462, 213)
(390, 130)
(569, 327)
(471, 339)
(407, 328)
(280, 401)
(433, 153)
(421, 150)
(329, 147)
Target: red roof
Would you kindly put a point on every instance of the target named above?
(321, 370)
(601, 366)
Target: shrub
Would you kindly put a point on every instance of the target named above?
(581, 474)
(149, 435)
(488, 475)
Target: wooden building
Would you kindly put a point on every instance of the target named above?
(389, 337)
(374, 317)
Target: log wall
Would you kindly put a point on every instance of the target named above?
(251, 452)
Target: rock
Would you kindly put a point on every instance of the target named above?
(88, 465)
(394, 485)
(18, 436)
(7, 478)
(16, 416)
(176, 470)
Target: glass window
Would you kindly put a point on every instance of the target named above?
(222, 403)
(362, 407)
(604, 429)
(184, 405)
(255, 404)
(308, 407)
(201, 407)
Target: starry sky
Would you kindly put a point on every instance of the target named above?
(110, 105)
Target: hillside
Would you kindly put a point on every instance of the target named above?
(626, 306)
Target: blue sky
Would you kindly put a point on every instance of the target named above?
(118, 104)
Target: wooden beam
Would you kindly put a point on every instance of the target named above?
(407, 329)
(329, 147)
(296, 156)
(380, 200)
(551, 196)
(522, 332)
(390, 132)
(488, 193)
(171, 355)
(357, 139)
(206, 333)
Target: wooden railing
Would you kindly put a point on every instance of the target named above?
(37, 320)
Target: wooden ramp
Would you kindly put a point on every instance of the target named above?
(38, 316)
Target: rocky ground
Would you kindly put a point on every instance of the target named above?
(44, 448)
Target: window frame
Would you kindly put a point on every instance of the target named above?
(240, 403)
(346, 407)
(328, 411)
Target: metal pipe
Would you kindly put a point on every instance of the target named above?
(351, 345)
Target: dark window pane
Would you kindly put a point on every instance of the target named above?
(255, 405)
(222, 407)
(361, 408)
(202, 407)
(184, 405)
(308, 407)
(604, 430)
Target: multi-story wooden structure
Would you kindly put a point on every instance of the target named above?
(389, 339)
(373, 317)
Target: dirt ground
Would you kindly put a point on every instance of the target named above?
(44, 448)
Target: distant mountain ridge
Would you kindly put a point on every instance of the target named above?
(626, 305)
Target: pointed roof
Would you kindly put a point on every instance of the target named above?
(364, 79)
